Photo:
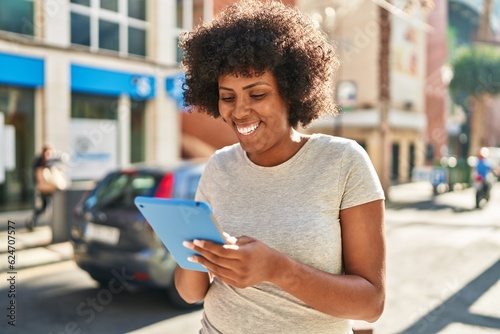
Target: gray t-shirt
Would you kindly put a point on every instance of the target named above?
(293, 208)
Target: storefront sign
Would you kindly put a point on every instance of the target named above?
(105, 82)
(173, 85)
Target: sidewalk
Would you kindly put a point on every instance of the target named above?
(29, 248)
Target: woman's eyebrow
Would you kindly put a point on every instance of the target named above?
(256, 84)
(246, 87)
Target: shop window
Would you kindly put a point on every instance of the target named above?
(411, 162)
(137, 131)
(17, 16)
(116, 25)
(105, 107)
(17, 106)
(395, 163)
(93, 106)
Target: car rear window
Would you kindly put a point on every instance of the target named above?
(120, 190)
(193, 185)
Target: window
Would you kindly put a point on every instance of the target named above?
(94, 106)
(82, 35)
(119, 190)
(116, 25)
(17, 16)
(106, 107)
(137, 131)
(18, 108)
(188, 14)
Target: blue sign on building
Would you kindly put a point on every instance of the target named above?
(105, 82)
(173, 85)
(21, 71)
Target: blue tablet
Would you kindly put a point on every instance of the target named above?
(179, 220)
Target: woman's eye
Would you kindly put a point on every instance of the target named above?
(258, 96)
(227, 99)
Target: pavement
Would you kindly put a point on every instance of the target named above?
(37, 248)
(30, 249)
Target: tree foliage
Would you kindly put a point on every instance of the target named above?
(476, 71)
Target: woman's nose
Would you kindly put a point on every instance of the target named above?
(241, 108)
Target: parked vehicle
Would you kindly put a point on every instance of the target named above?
(111, 237)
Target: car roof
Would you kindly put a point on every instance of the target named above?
(155, 167)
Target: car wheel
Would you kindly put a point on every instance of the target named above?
(103, 281)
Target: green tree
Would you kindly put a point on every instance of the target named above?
(476, 76)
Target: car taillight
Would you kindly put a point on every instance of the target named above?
(166, 187)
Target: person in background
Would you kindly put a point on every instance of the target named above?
(483, 167)
(483, 177)
(303, 214)
(48, 179)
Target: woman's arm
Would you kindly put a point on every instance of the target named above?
(191, 285)
(358, 294)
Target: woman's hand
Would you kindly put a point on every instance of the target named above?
(242, 262)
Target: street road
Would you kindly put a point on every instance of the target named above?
(443, 264)
(61, 298)
(443, 271)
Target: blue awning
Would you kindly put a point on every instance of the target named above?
(21, 71)
(105, 82)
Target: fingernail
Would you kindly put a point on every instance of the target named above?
(187, 244)
(197, 242)
(192, 259)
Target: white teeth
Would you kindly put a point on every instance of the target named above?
(246, 130)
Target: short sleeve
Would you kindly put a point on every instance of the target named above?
(358, 182)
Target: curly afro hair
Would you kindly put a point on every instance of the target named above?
(251, 37)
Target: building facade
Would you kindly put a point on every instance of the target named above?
(96, 79)
(356, 32)
(100, 81)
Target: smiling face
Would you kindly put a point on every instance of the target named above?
(257, 113)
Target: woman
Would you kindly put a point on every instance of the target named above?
(303, 214)
(41, 175)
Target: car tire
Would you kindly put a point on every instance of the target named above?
(103, 281)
